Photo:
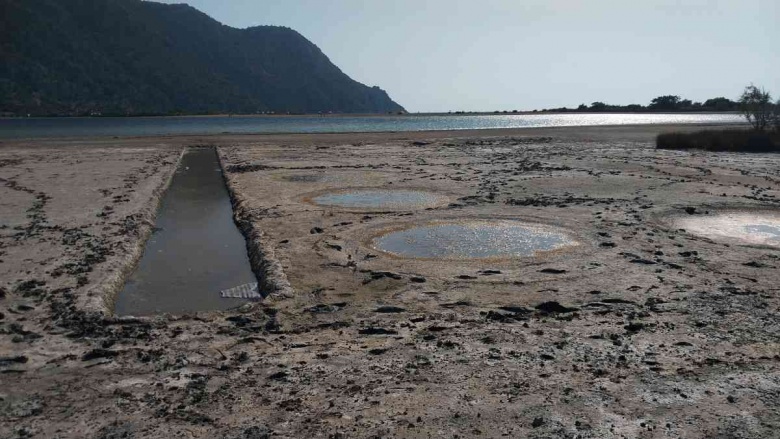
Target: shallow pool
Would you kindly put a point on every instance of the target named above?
(473, 239)
(758, 228)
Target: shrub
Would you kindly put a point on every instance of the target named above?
(756, 105)
(721, 140)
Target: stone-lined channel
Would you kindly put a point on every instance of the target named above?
(196, 250)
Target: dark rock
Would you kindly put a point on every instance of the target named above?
(465, 277)
(417, 279)
(377, 331)
(538, 422)
(552, 271)
(99, 353)
(278, 376)
(690, 210)
(377, 351)
(20, 359)
(382, 274)
(554, 307)
(634, 327)
(316, 230)
(321, 308)
(389, 309)
(489, 272)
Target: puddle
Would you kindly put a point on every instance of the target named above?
(196, 250)
(749, 228)
(472, 240)
(381, 199)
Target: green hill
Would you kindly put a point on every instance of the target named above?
(73, 57)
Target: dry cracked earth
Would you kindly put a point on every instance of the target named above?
(643, 330)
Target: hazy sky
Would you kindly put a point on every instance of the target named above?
(441, 55)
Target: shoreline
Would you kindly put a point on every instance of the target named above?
(382, 135)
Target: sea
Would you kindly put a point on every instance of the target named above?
(32, 127)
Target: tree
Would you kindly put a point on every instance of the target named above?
(776, 116)
(668, 102)
(720, 104)
(756, 105)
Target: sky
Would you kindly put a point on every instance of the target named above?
(485, 55)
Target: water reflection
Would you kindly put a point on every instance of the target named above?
(750, 228)
(472, 239)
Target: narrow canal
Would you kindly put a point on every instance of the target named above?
(196, 250)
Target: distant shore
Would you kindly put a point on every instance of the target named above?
(318, 115)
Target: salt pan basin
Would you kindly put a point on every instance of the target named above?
(380, 199)
(747, 227)
(475, 239)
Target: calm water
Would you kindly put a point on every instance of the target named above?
(196, 250)
(380, 199)
(473, 239)
(147, 126)
(762, 228)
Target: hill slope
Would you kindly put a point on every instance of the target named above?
(134, 57)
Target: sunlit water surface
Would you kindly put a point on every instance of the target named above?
(147, 126)
(747, 227)
(472, 240)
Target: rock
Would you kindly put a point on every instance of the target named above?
(538, 422)
(634, 327)
(607, 244)
(377, 331)
(389, 309)
(554, 307)
(489, 272)
(278, 376)
(690, 210)
(382, 274)
(377, 351)
(552, 271)
(99, 353)
(19, 359)
(417, 279)
(465, 277)
(326, 308)
(316, 230)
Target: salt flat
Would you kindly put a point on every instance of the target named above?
(641, 330)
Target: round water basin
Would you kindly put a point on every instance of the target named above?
(747, 227)
(380, 199)
(474, 239)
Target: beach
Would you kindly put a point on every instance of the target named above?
(639, 328)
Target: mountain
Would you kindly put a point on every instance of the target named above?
(75, 57)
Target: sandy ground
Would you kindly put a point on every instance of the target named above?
(641, 331)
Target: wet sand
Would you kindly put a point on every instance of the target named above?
(642, 330)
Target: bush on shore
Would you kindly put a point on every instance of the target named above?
(721, 140)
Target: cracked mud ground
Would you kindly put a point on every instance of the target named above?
(641, 331)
